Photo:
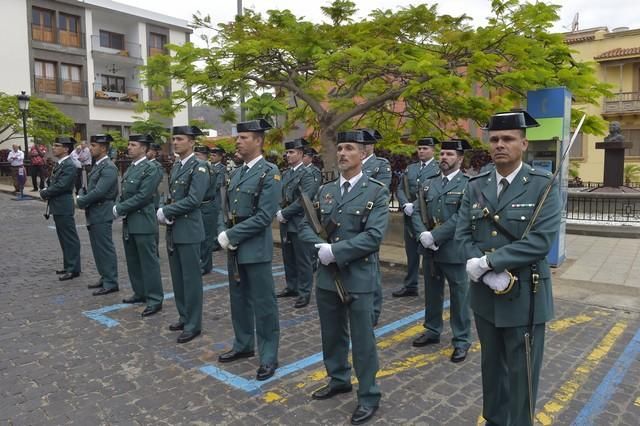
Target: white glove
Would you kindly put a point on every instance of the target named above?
(408, 209)
(162, 219)
(497, 282)
(476, 267)
(426, 239)
(223, 240)
(115, 212)
(281, 218)
(325, 254)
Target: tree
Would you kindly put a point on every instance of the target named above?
(631, 173)
(411, 72)
(44, 121)
(151, 126)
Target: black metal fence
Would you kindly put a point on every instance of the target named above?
(598, 207)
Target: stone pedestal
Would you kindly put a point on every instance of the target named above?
(613, 162)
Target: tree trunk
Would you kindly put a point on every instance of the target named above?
(328, 153)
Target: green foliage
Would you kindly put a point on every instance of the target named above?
(631, 173)
(119, 143)
(151, 126)
(574, 169)
(410, 72)
(44, 120)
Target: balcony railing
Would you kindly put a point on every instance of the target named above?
(130, 94)
(59, 86)
(129, 50)
(624, 102)
(57, 36)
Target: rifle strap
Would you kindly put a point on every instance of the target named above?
(256, 195)
(368, 208)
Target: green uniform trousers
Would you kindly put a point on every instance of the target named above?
(377, 296)
(143, 266)
(460, 313)
(69, 242)
(104, 253)
(254, 307)
(411, 249)
(337, 323)
(186, 278)
(210, 222)
(504, 372)
(298, 267)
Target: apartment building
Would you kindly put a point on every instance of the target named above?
(616, 54)
(84, 56)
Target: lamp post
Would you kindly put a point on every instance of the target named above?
(23, 105)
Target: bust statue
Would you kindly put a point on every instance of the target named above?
(615, 134)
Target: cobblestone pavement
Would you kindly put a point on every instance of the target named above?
(67, 357)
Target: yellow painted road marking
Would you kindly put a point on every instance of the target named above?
(637, 402)
(418, 361)
(567, 391)
(563, 324)
(273, 397)
(405, 335)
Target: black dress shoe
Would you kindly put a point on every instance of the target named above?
(362, 414)
(103, 291)
(301, 302)
(327, 392)
(60, 272)
(405, 292)
(133, 299)
(96, 285)
(178, 326)
(287, 293)
(425, 339)
(459, 354)
(187, 336)
(233, 355)
(265, 371)
(150, 310)
(68, 276)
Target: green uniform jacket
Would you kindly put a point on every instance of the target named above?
(187, 184)
(293, 182)
(416, 178)
(156, 196)
(253, 235)
(355, 245)
(478, 235)
(317, 178)
(102, 190)
(139, 188)
(59, 193)
(378, 168)
(442, 213)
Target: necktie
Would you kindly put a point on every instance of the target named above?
(422, 166)
(345, 188)
(243, 171)
(445, 180)
(505, 184)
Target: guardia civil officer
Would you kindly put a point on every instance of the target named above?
(307, 161)
(185, 231)
(356, 209)
(153, 155)
(139, 186)
(297, 255)
(59, 197)
(217, 154)
(102, 190)
(496, 209)
(377, 168)
(254, 194)
(442, 257)
(410, 184)
(210, 210)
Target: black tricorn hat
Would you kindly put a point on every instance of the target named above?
(310, 151)
(459, 145)
(428, 141)
(298, 143)
(155, 146)
(146, 139)
(217, 150)
(259, 125)
(203, 149)
(187, 130)
(363, 136)
(518, 119)
(65, 140)
(101, 138)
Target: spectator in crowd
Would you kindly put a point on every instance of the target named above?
(16, 159)
(38, 154)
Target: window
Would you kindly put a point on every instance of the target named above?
(45, 73)
(80, 131)
(111, 40)
(633, 136)
(111, 83)
(576, 148)
(42, 25)
(71, 82)
(156, 44)
(69, 26)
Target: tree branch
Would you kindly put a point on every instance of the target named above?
(366, 106)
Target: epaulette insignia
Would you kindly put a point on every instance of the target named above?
(202, 169)
(276, 177)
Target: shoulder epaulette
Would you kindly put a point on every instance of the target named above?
(480, 175)
(540, 172)
(376, 181)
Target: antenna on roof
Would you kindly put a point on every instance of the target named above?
(575, 24)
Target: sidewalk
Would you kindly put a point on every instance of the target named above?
(598, 270)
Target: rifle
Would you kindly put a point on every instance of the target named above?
(324, 232)
(227, 217)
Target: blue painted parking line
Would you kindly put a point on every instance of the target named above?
(225, 272)
(607, 387)
(253, 386)
(99, 315)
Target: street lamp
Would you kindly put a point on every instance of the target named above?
(23, 105)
